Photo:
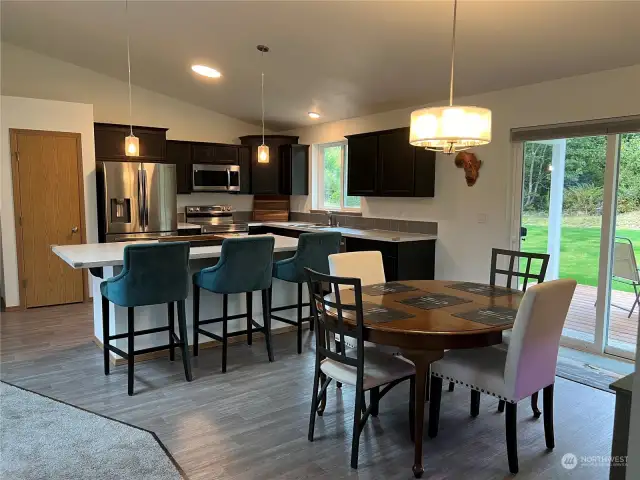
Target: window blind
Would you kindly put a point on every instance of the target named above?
(607, 126)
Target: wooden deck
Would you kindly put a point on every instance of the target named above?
(581, 320)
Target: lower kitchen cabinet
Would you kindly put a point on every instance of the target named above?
(401, 260)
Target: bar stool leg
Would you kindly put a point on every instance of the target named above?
(196, 318)
(172, 355)
(299, 318)
(130, 350)
(249, 318)
(105, 334)
(184, 340)
(266, 305)
(225, 305)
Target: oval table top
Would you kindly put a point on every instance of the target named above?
(435, 327)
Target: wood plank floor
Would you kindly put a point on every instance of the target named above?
(252, 422)
(623, 331)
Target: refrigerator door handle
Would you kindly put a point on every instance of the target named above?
(145, 204)
(141, 196)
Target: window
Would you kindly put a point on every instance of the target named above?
(332, 178)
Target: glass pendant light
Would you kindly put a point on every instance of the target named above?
(131, 143)
(263, 150)
(453, 128)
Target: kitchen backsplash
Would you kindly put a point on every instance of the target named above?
(367, 223)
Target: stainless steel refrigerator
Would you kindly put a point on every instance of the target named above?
(136, 201)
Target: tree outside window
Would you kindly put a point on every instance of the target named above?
(333, 179)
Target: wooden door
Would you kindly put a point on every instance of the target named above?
(49, 208)
(396, 160)
(362, 165)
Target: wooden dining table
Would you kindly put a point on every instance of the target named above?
(427, 333)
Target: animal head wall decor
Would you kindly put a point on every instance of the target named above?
(471, 165)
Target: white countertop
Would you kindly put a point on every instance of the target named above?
(373, 234)
(109, 254)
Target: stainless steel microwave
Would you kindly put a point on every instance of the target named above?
(215, 178)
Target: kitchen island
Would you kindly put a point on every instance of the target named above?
(105, 260)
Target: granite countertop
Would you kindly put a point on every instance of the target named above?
(94, 255)
(381, 235)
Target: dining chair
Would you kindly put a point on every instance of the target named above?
(527, 366)
(152, 274)
(513, 271)
(368, 267)
(362, 367)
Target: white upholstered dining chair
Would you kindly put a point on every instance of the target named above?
(367, 266)
(528, 365)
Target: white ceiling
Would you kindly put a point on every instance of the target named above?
(342, 59)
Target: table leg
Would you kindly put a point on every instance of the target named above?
(422, 359)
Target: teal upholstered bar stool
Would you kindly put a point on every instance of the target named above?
(152, 274)
(312, 252)
(244, 267)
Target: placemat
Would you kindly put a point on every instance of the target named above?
(480, 289)
(375, 313)
(490, 315)
(386, 288)
(430, 301)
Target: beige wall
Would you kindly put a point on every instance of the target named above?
(33, 114)
(71, 98)
(464, 245)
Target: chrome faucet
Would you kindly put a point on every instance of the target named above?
(331, 218)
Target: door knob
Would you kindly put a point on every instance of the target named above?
(74, 230)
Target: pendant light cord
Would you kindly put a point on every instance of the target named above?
(262, 94)
(126, 7)
(453, 51)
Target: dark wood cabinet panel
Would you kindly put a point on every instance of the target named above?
(227, 154)
(294, 169)
(425, 173)
(109, 143)
(266, 178)
(362, 165)
(215, 153)
(179, 153)
(244, 160)
(385, 164)
(395, 164)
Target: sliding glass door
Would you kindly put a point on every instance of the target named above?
(578, 199)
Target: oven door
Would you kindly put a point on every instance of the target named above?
(213, 178)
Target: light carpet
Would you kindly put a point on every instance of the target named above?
(42, 438)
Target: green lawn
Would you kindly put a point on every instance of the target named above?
(579, 251)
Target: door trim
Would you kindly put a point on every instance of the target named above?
(17, 204)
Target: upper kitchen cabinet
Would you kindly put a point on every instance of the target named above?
(214, 153)
(244, 160)
(179, 153)
(279, 176)
(385, 164)
(109, 142)
(294, 168)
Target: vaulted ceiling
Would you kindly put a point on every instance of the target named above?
(342, 59)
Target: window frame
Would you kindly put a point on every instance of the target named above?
(343, 184)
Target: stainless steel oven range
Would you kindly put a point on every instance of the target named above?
(214, 219)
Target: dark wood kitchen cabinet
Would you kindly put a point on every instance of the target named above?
(214, 153)
(277, 176)
(294, 169)
(385, 164)
(179, 153)
(109, 143)
(244, 160)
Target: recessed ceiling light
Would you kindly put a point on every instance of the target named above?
(313, 115)
(206, 71)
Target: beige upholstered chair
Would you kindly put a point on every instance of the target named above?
(367, 266)
(512, 375)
